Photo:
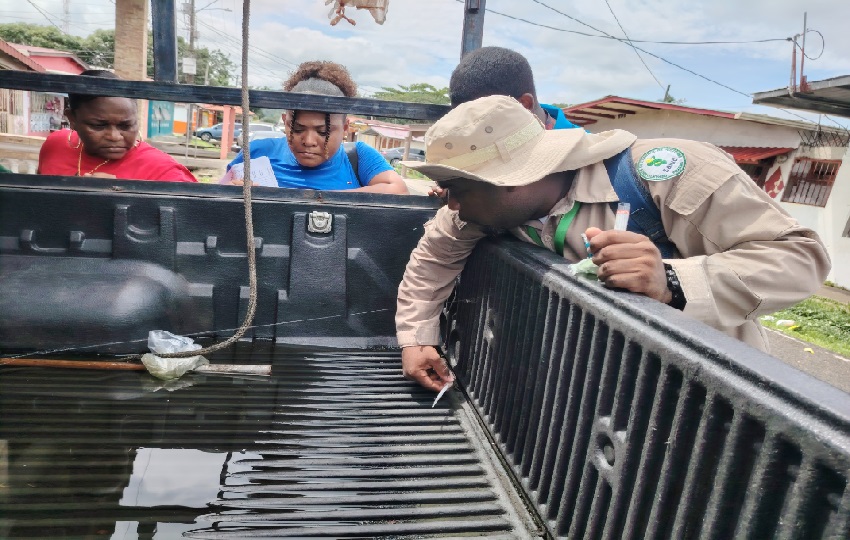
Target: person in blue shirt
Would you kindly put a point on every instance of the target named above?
(312, 156)
(496, 71)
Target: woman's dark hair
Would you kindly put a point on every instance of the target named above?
(75, 100)
(311, 74)
(322, 78)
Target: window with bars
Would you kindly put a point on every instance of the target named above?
(810, 181)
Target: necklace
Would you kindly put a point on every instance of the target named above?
(80, 162)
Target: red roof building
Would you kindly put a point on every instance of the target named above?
(52, 60)
(36, 114)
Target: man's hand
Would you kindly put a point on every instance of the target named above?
(630, 261)
(440, 193)
(423, 364)
(101, 175)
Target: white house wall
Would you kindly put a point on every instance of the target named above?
(829, 221)
(713, 129)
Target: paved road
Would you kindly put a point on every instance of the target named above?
(820, 363)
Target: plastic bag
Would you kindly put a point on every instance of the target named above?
(162, 342)
(585, 268)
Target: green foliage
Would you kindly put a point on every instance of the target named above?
(220, 66)
(818, 320)
(670, 99)
(98, 50)
(415, 175)
(834, 285)
(415, 93)
(39, 36)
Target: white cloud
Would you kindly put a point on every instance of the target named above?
(420, 42)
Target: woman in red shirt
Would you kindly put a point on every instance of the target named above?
(104, 142)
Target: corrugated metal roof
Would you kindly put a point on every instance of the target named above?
(753, 154)
(828, 96)
(614, 107)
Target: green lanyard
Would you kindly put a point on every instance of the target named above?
(560, 231)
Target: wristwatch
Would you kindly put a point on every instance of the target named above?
(675, 288)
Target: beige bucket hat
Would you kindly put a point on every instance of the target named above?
(495, 139)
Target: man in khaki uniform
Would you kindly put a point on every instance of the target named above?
(738, 254)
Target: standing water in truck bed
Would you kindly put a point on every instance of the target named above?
(335, 442)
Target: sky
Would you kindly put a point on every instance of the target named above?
(421, 40)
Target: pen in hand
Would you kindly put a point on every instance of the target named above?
(621, 223)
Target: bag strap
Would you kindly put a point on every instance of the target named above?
(560, 232)
(644, 218)
(353, 158)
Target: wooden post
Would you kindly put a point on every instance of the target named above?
(131, 48)
(406, 154)
(227, 130)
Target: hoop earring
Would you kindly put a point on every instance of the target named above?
(79, 140)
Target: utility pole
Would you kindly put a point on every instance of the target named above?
(804, 86)
(473, 26)
(189, 71)
(66, 16)
(189, 68)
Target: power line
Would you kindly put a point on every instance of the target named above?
(45, 15)
(231, 47)
(692, 72)
(261, 52)
(607, 3)
(837, 123)
(610, 37)
(822, 46)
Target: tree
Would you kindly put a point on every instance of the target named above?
(40, 36)
(668, 98)
(220, 66)
(98, 50)
(415, 93)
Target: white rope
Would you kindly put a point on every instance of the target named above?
(249, 217)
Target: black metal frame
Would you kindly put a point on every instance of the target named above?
(621, 418)
(217, 95)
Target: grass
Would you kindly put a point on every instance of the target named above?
(415, 175)
(206, 178)
(817, 320)
(834, 285)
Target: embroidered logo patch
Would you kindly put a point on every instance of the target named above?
(661, 164)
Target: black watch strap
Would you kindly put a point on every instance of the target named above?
(679, 301)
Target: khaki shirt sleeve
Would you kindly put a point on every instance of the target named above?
(430, 276)
(743, 256)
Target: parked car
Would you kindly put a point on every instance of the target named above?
(260, 131)
(215, 132)
(394, 155)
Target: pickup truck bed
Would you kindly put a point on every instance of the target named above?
(581, 412)
(334, 444)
